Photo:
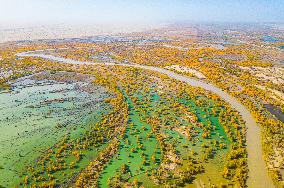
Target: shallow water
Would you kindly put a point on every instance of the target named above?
(34, 116)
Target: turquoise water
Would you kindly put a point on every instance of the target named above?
(268, 38)
(271, 39)
(183, 145)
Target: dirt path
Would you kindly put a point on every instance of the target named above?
(258, 176)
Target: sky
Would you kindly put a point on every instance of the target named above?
(33, 12)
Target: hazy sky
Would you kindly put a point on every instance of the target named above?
(26, 12)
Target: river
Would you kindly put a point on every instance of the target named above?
(258, 176)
